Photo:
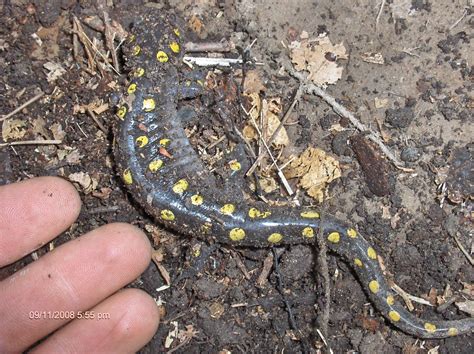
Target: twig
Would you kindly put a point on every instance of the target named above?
(279, 171)
(24, 105)
(109, 41)
(379, 14)
(341, 110)
(220, 47)
(459, 20)
(408, 298)
(96, 120)
(463, 250)
(32, 142)
(204, 61)
(324, 341)
(277, 130)
(82, 35)
(210, 146)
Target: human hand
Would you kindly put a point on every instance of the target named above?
(81, 275)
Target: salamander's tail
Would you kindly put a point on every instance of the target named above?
(363, 258)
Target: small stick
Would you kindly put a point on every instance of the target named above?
(277, 130)
(24, 105)
(379, 14)
(342, 111)
(219, 47)
(463, 250)
(459, 20)
(96, 120)
(32, 142)
(279, 171)
(109, 41)
(83, 35)
(210, 146)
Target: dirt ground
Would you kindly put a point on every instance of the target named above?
(419, 98)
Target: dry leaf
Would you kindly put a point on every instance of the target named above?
(172, 334)
(55, 71)
(253, 82)
(268, 184)
(87, 183)
(466, 306)
(380, 102)
(316, 170)
(103, 193)
(39, 128)
(270, 108)
(319, 57)
(195, 24)
(58, 132)
(468, 289)
(374, 58)
(13, 129)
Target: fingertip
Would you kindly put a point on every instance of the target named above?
(34, 211)
(130, 239)
(143, 315)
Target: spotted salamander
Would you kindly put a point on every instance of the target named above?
(166, 176)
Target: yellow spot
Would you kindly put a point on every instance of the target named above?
(206, 227)
(176, 32)
(358, 262)
(390, 300)
(127, 176)
(132, 88)
(148, 104)
(162, 57)
(165, 142)
(136, 50)
(228, 209)
(155, 165)
(200, 82)
(235, 165)
(351, 233)
(167, 215)
(197, 199)
(371, 253)
(334, 237)
(139, 72)
(431, 328)
(142, 141)
(122, 111)
(180, 186)
(237, 234)
(310, 214)
(255, 213)
(374, 286)
(394, 316)
(452, 331)
(131, 38)
(174, 46)
(196, 250)
(308, 232)
(275, 237)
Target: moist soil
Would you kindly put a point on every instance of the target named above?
(420, 100)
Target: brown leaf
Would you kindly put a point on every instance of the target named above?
(316, 170)
(318, 56)
(253, 82)
(13, 129)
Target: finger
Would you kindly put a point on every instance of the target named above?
(32, 213)
(133, 321)
(74, 277)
